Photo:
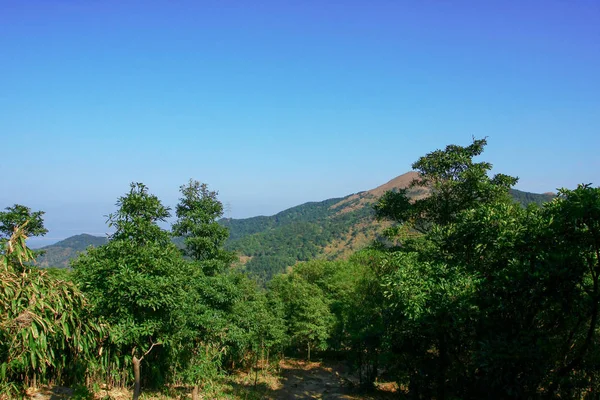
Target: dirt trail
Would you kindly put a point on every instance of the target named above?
(297, 380)
(302, 380)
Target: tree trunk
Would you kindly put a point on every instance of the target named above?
(136, 375)
(374, 371)
(195, 392)
(308, 351)
(578, 359)
(442, 365)
(255, 370)
(262, 353)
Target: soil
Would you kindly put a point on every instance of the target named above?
(297, 380)
(303, 380)
(315, 380)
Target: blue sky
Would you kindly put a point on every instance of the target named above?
(275, 103)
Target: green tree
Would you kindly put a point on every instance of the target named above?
(307, 313)
(535, 304)
(197, 214)
(28, 223)
(136, 281)
(227, 317)
(572, 236)
(492, 297)
(21, 216)
(46, 331)
(230, 323)
(454, 183)
(432, 301)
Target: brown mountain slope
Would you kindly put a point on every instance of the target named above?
(369, 197)
(399, 182)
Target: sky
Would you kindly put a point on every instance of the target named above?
(276, 103)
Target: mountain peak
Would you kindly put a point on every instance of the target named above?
(400, 182)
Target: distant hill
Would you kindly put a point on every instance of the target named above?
(526, 198)
(329, 229)
(267, 245)
(59, 254)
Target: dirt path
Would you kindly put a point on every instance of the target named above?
(297, 379)
(302, 380)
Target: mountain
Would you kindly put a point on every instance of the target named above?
(60, 254)
(267, 245)
(526, 198)
(329, 229)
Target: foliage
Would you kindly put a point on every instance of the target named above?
(197, 214)
(187, 324)
(136, 281)
(493, 297)
(21, 216)
(228, 319)
(17, 223)
(455, 183)
(230, 322)
(46, 331)
(475, 297)
(318, 300)
(306, 311)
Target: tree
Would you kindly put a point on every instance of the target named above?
(535, 306)
(307, 312)
(21, 216)
(136, 281)
(573, 237)
(432, 295)
(20, 223)
(46, 331)
(492, 297)
(197, 214)
(454, 183)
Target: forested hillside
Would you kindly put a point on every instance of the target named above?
(61, 253)
(267, 245)
(330, 229)
(526, 198)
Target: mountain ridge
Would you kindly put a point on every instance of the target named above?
(60, 253)
(266, 245)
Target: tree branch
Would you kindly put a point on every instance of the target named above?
(149, 350)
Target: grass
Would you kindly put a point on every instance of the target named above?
(289, 378)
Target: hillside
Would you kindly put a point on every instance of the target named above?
(526, 198)
(60, 253)
(330, 229)
(267, 245)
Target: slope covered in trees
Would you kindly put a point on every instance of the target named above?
(61, 253)
(330, 229)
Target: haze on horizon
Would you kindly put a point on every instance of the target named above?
(279, 103)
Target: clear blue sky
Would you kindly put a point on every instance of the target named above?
(275, 103)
